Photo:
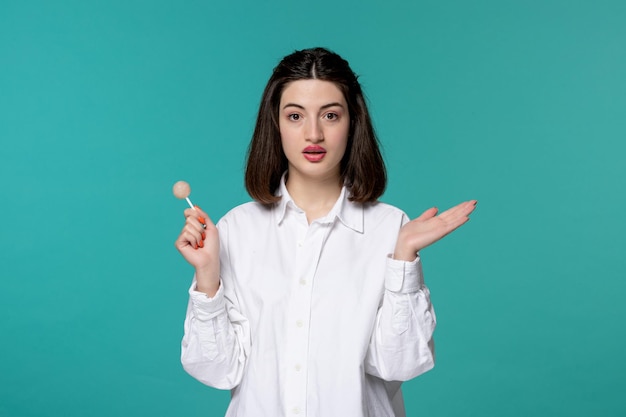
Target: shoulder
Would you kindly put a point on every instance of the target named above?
(383, 216)
(245, 213)
(380, 209)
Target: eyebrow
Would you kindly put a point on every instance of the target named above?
(325, 106)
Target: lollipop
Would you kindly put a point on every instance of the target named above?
(182, 190)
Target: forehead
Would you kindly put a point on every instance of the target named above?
(312, 92)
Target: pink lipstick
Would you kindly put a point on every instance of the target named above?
(314, 153)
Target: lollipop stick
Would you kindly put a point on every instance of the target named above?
(181, 190)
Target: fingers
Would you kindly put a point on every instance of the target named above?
(458, 215)
(200, 216)
(468, 206)
(196, 212)
(431, 212)
(188, 239)
(463, 209)
(191, 236)
(458, 211)
(195, 230)
(429, 227)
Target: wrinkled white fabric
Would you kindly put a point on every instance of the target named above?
(311, 320)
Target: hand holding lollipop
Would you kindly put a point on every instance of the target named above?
(181, 191)
(198, 242)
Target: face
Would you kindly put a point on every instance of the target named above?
(314, 125)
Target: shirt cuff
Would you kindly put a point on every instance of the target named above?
(204, 307)
(404, 277)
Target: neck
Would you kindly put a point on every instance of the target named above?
(315, 196)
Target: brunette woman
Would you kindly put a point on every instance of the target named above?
(310, 300)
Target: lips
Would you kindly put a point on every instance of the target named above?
(314, 153)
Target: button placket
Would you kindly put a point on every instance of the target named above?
(298, 324)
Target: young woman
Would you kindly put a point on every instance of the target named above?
(310, 301)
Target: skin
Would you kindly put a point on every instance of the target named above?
(312, 113)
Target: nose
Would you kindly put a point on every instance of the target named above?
(313, 131)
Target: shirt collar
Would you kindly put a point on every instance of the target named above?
(349, 213)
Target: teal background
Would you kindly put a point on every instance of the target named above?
(519, 104)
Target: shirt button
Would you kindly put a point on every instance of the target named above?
(300, 243)
(299, 323)
(302, 281)
(296, 410)
(298, 367)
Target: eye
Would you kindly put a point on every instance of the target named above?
(293, 117)
(331, 116)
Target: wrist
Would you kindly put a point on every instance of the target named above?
(207, 281)
(407, 256)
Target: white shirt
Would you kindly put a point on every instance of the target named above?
(311, 320)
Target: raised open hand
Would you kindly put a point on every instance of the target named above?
(429, 228)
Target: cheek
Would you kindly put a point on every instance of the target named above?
(286, 141)
(284, 134)
(344, 137)
(286, 131)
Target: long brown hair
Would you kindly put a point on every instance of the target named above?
(362, 167)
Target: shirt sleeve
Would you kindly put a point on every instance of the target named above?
(216, 340)
(402, 345)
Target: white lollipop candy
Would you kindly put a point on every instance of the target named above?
(182, 190)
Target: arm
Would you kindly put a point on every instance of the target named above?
(217, 336)
(402, 346)
(216, 341)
